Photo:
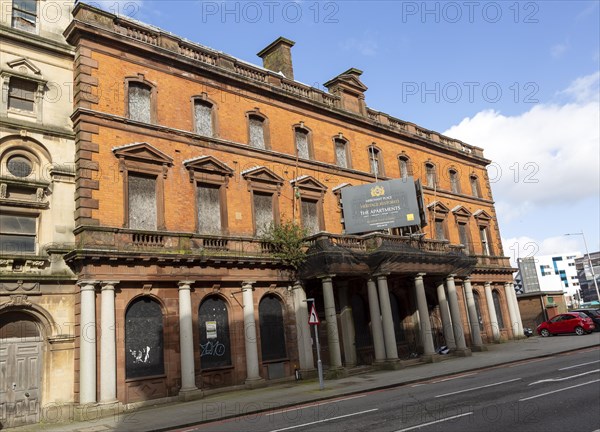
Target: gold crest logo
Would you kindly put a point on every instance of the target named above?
(377, 191)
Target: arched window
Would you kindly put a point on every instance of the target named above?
(342, 152)
(144, 343)
(303, 144)
(430, 175)
(258, 130)
(454, 181)
(272, 330)
(405, 166)
(498, 309)
(16, 324)
(203, 117)
(475, 190)
(139, 102)
(375, 161)
(477, 300)
(213, 323)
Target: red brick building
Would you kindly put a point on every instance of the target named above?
(184, 156)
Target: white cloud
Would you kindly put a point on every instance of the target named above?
(559, 49)
(524, 247)
(545, 157)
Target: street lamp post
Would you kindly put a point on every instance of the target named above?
(587, 252)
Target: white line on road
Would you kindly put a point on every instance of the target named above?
(477, 388)
(564, 378)
(578, 365)
(521, 363)
(434, 422)
(314, 405)
(454, 377)
(326, 420)
(559, 390)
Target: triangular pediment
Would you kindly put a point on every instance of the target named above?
(438, 207)
(461, 211)
(24, 67)
(348, 80)
(208, 164)
(143, 152)
(262, 174)
(308, 182)
(482, 214)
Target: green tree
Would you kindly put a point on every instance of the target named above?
(287, 242)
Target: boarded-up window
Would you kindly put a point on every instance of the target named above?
(475, 187)
(454, 183)
(440, 232)
(21, 94)
(24, 15)
(341, 153)
(215, 346)
(404, 167)
(203, 118)
(272, 331)
(257, 132)
(496, 298)
(477, 301)
(430, 173)
(17, 234)
(310, 216)
(140, 102)
(375, 161)
(463, 235)
(209, 209)
(142, 202)
(144, 339)
(483, 236)
(302, 143)
(263, 211)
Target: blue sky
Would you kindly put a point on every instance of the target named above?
(519, 79)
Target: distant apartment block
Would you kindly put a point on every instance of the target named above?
(585, 278)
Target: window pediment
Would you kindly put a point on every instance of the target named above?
(308, 183)
(262, 174)
(209, 166)
(143, 152)
(23, 66)
(438, 207)
(461, 211)
(482, 215)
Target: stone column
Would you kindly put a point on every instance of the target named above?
(333, 339)
(473, 318)
(87, 343)
(445, 313)
(459, 334)
(492, 311)
(252, 370)
(517, 314)
(108, 345)
(508, 287)
(376, 326)
(305, 352)
(424, 323)
(389, 335)
(347, 325)
(186, 338)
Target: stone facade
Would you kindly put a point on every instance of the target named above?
(37, 186)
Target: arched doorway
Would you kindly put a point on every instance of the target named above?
(20, 368)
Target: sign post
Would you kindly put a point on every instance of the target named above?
(313, 319)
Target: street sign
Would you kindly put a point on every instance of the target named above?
(313, 318)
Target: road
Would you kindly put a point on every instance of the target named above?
(555, 393)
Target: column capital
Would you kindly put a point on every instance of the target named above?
(487, 284)
(86, 285)
(246, 285)
(381, 275)
(186, 284)
(467, 278)
(108, 285)
(326, 277)
(451, 276)
(420, 276)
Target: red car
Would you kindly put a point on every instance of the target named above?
(573, 322)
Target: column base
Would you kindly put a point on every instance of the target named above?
(392, 364)
(309, 373)
(254, 383)
(462, 352)
(93, 411)
(431, 358)
(190, 394)
(336, 373)
(478, 348)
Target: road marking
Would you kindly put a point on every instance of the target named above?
(559, 390)
(434, 422)
(454, 377)
(526, 362)
(313, 405)
(417, 385)
(564, 378)
(577, 365)
(477, 388)
(326, 420)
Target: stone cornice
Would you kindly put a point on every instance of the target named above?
(33, 127)
(10, 34)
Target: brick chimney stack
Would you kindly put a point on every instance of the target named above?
(277, 57)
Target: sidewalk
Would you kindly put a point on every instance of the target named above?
(241, 402)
